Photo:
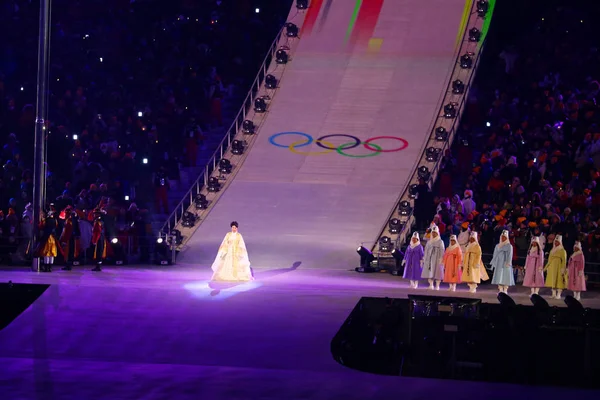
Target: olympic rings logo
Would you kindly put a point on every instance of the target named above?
(341, 149)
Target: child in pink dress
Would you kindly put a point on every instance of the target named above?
(534, 267)
(576, 275)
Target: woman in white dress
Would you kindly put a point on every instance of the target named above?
(232, 263)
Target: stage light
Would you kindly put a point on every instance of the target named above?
(119, 256)
(441, 134)
(366, 257)
(126, 198)
(270, 82)
(301, 4)
(398, 257)
(257, 10)
(188, 219)
(505, 300)
(200, 202)
(161, 252)
(466, 61)
(432, 154)
(450, 110)
(474, 35)
(144, 161)
(101, 59)
(385, 244)
(213, 184)
(573, 304)
(488, 124)
(248, 127)
(482, 8)
(405, 208)
(423, 173)
(225, 166)
(539, 303)
(176, 234)
(237, 147)
(291, 30)
(140, 114)
(22, 88)
(281, 56)
(395, 226)
(260, 105)
(458, 87)
(413, 190)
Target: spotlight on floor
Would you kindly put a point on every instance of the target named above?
(482, 8)
(458, 87)
(505, 300)
(188, 219)
(405, 208)
(237, 147)
(366, 258)
(450, 110)
(200, 202)
(474, 35)
(573, 304)
(539, 303)
(248, 127)
(466, 61)
(301, 4)
(423, 173)
(260, 105)
(161, 252)
(281, 56)
(291, 30)
(270, 82)
(225, 166)
(385, 244)
(432, 154)
(413, 190)
(441, 134)
(119, 256)
(398, 257)
(394, 226)
(213, 184)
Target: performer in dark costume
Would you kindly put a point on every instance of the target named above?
(48, 245)
(98, 240)
(69, 238)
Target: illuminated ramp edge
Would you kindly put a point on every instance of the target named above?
(341, 136)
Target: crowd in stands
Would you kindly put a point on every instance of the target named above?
(135, 85)
(527, 158)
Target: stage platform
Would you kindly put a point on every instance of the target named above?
(168, 333)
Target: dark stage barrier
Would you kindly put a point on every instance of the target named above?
(462, 338)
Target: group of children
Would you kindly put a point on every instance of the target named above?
(462, 264)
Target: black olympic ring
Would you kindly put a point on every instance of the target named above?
(357, 142)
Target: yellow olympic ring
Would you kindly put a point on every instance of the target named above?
(292, 147)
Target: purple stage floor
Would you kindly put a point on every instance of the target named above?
(148, 333)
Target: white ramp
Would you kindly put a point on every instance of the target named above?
(362, 68)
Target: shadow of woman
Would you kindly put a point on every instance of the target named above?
(274, 272)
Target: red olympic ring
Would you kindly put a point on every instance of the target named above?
(368, 146)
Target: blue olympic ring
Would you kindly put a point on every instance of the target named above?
(306, 135)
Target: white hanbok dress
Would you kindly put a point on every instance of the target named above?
(232, 262)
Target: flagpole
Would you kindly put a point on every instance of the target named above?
(39, 172)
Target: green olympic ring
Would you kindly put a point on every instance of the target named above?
(340, 150)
